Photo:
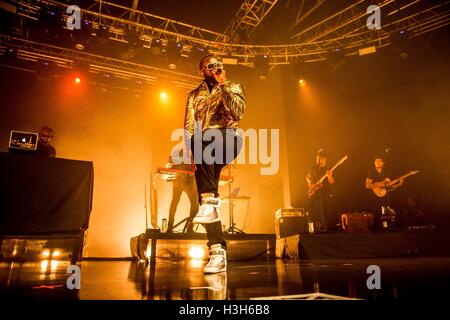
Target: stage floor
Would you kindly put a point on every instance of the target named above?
(401, 279)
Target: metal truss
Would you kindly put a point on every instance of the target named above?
(249, 17)
(301, 15)
(345, 29)
(67, 58)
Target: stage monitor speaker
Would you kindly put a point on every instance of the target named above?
(290, 221)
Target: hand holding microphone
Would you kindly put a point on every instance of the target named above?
(220, 75)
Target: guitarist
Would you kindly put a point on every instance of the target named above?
(320, 201)
(378, 177)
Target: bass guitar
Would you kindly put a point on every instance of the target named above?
(315, 187)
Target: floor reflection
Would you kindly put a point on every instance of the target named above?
(401, 279)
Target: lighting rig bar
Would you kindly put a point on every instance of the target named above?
(345, 30)
(249, 16)
(67, 58)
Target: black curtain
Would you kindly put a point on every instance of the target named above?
(39, 195)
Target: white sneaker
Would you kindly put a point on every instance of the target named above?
(208, 211)
(217, 260)
(217, 286)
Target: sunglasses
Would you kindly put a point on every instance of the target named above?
(212, 66)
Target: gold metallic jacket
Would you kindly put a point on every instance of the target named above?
(223, 107)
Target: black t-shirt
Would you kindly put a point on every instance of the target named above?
(45, 151)
(377, 176)
(316, 173)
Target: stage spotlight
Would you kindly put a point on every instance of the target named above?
(77, 80)
(301, 82)
(156, 47)
(102, 34)
(81, 36)
(133, 39)
(400, 42)
(46, 253)
(336, 57)
(261, 64)
(299, 69)
(135, 45)
(199, 52)
(9, 55)
(163, 96)
(196, 252)
(45, 69)
(174, 54)
(49, 24)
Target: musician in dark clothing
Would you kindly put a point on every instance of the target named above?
(186, 184)
(44, 149)
(320, 202)
(379, 177)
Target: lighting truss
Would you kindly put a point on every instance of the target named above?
(345, 29)
(249, 16)
(67, 58)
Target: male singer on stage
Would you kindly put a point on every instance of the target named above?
(216, 106)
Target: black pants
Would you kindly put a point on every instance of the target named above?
(377, 204)
(207, 174)
(321, 211)
(180, 186)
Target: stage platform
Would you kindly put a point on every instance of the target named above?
(179, 246)
(367, 245)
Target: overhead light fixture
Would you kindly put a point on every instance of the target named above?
(174, 54)
(156, 46)
(261, 64)
(49, 24)
(102, 34)
(230, 60)
(45, 69)
(336, 57)
(368, 50)
(81, 36)
(400, 42)
(301, 70)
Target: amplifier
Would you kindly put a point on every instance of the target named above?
(357, 222)
(290, 221)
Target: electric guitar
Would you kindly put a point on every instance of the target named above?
(319, 183)
(382, 191)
